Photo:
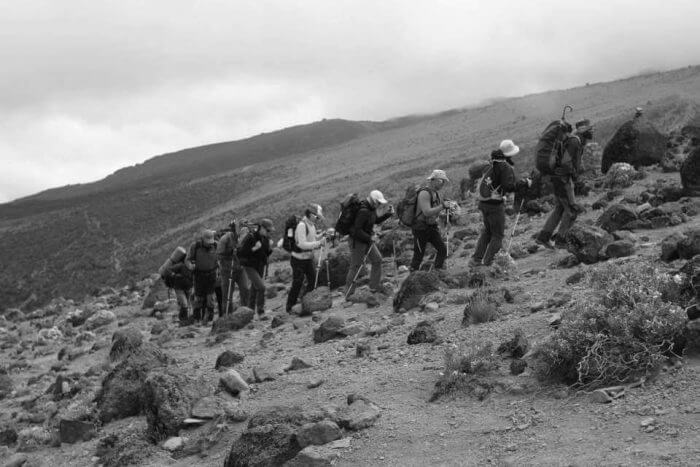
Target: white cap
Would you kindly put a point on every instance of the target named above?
(438, 174)
(376, 195)
(508, 148)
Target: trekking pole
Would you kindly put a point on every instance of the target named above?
(228, 291)
(512, 233)
(563, 112)
(357, 274)
(318, 266)
(396, 266)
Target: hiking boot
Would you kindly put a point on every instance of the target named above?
(544, 243)
(560, 244)
(473, 263)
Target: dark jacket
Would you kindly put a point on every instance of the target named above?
(502, 179)
(570, 164)
(178, 277)
(365, 220)
(226, 250)
(254, 259)
(203, 257)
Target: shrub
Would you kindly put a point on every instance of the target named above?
(464, 367)
(635, 326)
(481, 308)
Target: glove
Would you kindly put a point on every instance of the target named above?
(529, 182)
(257, 246)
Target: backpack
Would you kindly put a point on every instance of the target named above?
(348, 210)
(550, 146)
(289, 243)
(485, 188)
(177, 256)
(406, 209)
(205, 258)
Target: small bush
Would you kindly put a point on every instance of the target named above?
(463, 368)
(481, 308)
(635, 326)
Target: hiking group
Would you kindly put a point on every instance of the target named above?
(205, 276)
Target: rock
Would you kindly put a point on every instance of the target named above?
(228, 358)
(517, 366)
(649, 421)
(318, 433)
(298, 364)
(351, 330)
(555, 320)
(568, 261)
(315, 383)
(616, 216)
(124, 341)
(423, 333)
(339, 263)
(690, 173)
(168, 399)
(14, 315)
(8, 437)
(16, 460)
(74, 431)
(174, 443)
(329, 329)
(575, 278)
(210, 407)
(32, 439)
(515, 347)
(600, 397)
(414, 287)
(620, 175)
(558, 299)
(6, 385)
(455, 278)
(314, 456)
(233, 321)
(636, 142)
(689, 246)
(279, 320)
(122, 391)
(618, 249)
(161, 306)
(585, 241)
(431, 307)
(318, 299)
(232, 381)
(363, 349)
(263, 374)
(159, 327)
(99, 319)
(358, 415)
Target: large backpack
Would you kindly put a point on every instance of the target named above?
(177, 256)
(348, 210)
(549, 147)
(205, 258)
(406, 209)
(484, 187)
(289, 242)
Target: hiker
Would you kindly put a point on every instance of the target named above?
(253, 254)
(565, 173)
(178, 277)
(201, 259)
(231, 271)
(362, 241)
(429, 205)
(305, 241)
(497, 180)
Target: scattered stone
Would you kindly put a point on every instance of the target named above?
(168, 398)
(690, 245)
(8, 437)
(558, 299)
(318, 433)
(690, 173)
(232, 381)
(517, 366)
(279, 320)
(99, 319)
(585, 241)
(329, 329)
(538, 306)
(174, 443)
(298, 364)
(601, 397)
(228, 358)
(318, 299)
(620, 175)
(423, 333)
(575, 278)
(239, 319)
(616, 216)
(74, 431)
(211, 407)
(649, 421)
(618, 249)
(415, 287)
(568, 261)
(6, 385)
(358, 415)
(159, 327)
(33, 438)
(555, 320)
(124, 341)
(315, 383)
(16, 460)
(261, 375)
(314, 456)
(363, 349)
(636, 142)
(515, 347)
(431, 307)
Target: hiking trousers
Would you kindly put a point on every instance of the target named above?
(564, 212)
(357, 254)
(238, 278)
(204, 294)
(301, 268)
(492, 233)
(256, 295)
(431, 234)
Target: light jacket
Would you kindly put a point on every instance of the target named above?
(305, 238)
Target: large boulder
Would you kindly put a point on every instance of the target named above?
(338, 265)
(616, 216)
(122, 392)
(233, 321)
(690, 173)
(318, 299)
(271, 437)
(637, 142)
(125, 341)
(169, 396)
(586, 241)
(620, 175)
(228, 358)
(415, 287)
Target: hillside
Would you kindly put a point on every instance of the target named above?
(71, 240)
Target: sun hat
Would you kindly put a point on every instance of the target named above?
(208, 237)
(376, 195)
(316, 210)
(583, 125)
(267, 223)
(508, 148)
(439, 175)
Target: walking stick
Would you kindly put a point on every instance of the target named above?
(517, 218)
(229, 293)
(318, 266)
(396, 266)
(357, 274)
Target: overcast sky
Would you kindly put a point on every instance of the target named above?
(87, 87)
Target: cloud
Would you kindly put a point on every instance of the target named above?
(89, 86)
